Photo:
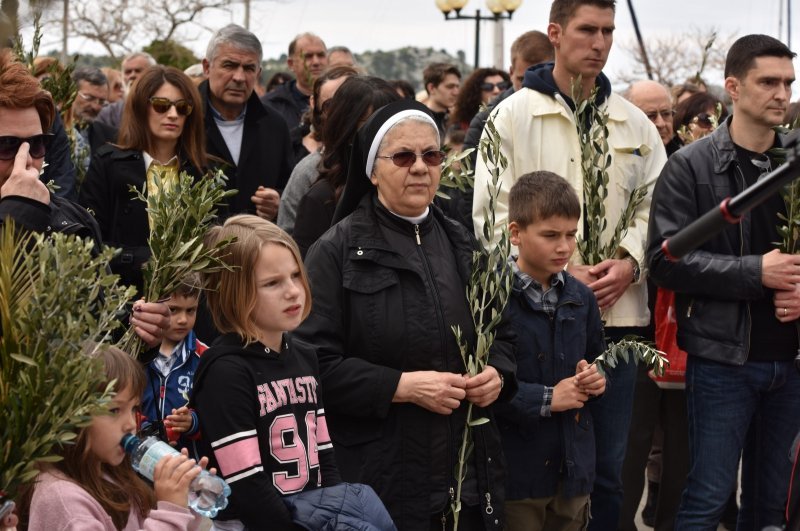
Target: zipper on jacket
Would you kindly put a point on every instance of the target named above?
(444, 513)
(741, 253)
(489, 509)
(689, 309)
(442, 340)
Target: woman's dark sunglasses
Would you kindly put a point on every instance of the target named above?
(704, 119)
(487, 87)
(9, 146)
(406, 159)
(162, 105)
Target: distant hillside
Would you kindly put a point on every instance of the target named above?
(406, 63)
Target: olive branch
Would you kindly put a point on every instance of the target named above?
(632, 347)
(56, 294)
(592, 124)
(487, 293)
(789, 229)
(457, 173)
(180, 215)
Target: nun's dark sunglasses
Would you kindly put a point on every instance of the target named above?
(406, 159)
(9, 146)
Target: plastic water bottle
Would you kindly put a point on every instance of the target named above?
(208, 494)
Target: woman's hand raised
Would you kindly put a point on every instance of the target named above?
(440, 392)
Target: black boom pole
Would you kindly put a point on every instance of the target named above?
(641, 41)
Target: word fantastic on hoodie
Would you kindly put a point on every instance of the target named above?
(278, 393)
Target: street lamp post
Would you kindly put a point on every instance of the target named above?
(500, 9)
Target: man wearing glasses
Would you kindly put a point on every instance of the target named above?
(655, 101)
(89, 134)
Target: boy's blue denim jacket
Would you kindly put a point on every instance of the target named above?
(543, 451)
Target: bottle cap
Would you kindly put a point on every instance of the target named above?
(129, 442)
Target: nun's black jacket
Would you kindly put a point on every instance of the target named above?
(383, 305)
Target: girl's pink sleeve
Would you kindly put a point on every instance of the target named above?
(170, 517)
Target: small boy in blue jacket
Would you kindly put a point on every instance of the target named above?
(547, 433)
(170, 372)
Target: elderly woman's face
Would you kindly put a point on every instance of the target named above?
(407, 191)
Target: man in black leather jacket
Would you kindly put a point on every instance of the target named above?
(737, 300)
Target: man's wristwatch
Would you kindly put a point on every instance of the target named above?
(637, 272)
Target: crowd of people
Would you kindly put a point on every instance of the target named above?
(319, 374)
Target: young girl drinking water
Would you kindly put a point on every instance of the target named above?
(256, 390)
(95, 488)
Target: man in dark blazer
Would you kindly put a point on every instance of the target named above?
(252, 140)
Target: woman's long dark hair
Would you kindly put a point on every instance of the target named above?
(470, 96)
(352, 104)
(134, 132)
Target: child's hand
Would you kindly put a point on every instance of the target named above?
(173, 475)
(180, 421)
(567, 395)
(590, 380)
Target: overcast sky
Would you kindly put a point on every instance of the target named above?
(388, 24)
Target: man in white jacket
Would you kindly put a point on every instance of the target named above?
(538, 131)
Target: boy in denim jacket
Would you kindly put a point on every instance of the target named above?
(548, 437)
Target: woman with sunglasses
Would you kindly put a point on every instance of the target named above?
(481, 87)
(349, 107)
(389, 282)
(697, 116)
(161, 135)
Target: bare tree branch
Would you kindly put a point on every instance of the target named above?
(676, 58)
(112, 24)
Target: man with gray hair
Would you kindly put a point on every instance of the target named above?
(133, 65)
(250, 137)
(91, 98)
(340, 56)
(307, 58)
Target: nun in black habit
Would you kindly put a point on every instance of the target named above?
(389, 282)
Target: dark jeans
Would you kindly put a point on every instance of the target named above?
(667, 407)
(612, 419)
(752, 411)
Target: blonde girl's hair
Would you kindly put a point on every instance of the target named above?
(231, 295)
(116, 488)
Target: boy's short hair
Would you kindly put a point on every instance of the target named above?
(743, 53)
(190, 285)
(540, 195)
(436, 72)
(563, 10)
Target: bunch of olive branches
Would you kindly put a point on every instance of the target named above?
(55, 295)
(180, 215)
